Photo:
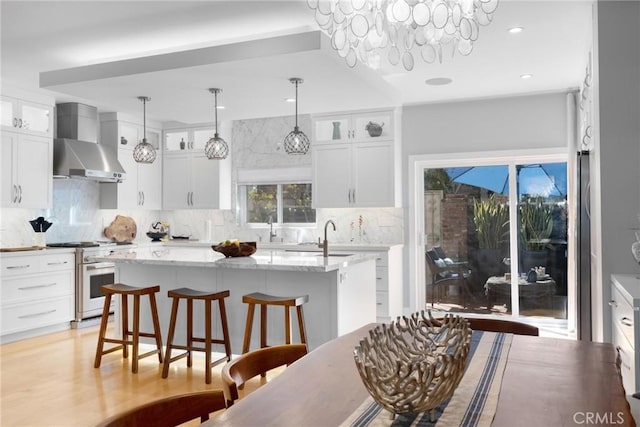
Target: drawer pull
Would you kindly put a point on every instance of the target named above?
(44, 313)
(613, 303)
(38, 286)
(378, 278)
(13, 267)
(626, 321)
(58, 263)
(378, 303)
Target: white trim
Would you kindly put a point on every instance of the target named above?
(274, 175)
(417, 164)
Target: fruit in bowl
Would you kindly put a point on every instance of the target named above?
(235, 248)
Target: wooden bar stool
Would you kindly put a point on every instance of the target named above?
(190, 295)
(265, 300)
(124, 291)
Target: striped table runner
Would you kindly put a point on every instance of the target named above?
(473, 403)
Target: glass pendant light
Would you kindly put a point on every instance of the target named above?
(216, 147)
(296, 142)
(144, 152)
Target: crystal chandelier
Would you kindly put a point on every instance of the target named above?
(144, 152)
(296, 142)
(401, 30)
(216, 147)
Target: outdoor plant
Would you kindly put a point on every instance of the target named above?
(491, 219)
(536, 223)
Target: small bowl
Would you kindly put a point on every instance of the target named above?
(243, 249)
(155, 237)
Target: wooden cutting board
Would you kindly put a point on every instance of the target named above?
(22, 248)
(122, 229)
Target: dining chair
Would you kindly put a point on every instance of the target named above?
(170, 411)
(499, 325)
(257, 362)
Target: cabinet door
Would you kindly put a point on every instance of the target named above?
(200, 138)
(8, 189)
(36, 118)
(129, 137)
(332, 129)
(332, 176)
(176, 140)
(153, 138)
(373, 174)
(128, 195)
(34, 171)
(9, 119)
(150, 184)
(205, 183)
(176, 179)
(373, 126)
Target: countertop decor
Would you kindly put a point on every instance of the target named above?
(236, 249)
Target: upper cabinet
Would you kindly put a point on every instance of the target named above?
(27, 117)
(142, 186)
(356, 160)
(193, 139)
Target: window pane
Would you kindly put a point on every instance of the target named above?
(296, 203)
(262, 203)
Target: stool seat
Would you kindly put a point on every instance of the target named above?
(129, 337)
(190, 295)
(264, 300)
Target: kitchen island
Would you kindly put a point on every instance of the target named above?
(341, 288)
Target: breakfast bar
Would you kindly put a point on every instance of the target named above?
(341, 287)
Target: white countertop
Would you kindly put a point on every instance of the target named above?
(261, 260)
(360, 247)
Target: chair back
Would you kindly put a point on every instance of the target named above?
(170, 411)
(439, 252)
(257, 362)
(499, 325)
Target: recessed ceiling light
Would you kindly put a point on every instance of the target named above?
(515, 30)
(438, 81)
(289, 100)
(526, 76)
(220, 107)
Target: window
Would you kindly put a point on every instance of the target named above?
(283, 203)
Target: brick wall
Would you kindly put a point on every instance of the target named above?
(454, 226)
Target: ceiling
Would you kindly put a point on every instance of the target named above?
(110, 52)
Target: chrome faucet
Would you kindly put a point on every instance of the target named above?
(325, 245)
(271, 233)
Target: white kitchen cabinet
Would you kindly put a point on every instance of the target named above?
(625, 321)
(192, 181)
(27, 117)
(355, 169)
(142, 187)
(27, 170)
(37, 293)
(191, 140)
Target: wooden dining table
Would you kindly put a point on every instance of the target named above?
(546, 382)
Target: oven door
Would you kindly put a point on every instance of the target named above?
(91, 298)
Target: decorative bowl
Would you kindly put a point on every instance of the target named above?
(242, 249)
(414, 364)
(155, 236)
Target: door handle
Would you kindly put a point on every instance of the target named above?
(626, 321)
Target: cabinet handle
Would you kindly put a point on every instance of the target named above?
(19, 123)
(37, 314)
(626, 321)
(15, 122)
(188, 192)
(192, 198)
(354, 195)
(58, 263)
(13, 193)
(378, 303)
(378, 278)
(142, 192)
(349, 196)
(19, 193)
(15, 267)
(37, 286)
(613, 303)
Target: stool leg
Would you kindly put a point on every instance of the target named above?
(189, 331)
(136, 333)
(263, 326)
(287, 325)
(225, 328)
(172, 330)
(247, 328)
(156, 325)
(103, 331)
(207, 340)
(301, 327)
(124, 304)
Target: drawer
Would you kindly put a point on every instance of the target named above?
(57, 262)
(382, 259)
(14, 266)
(382, 279)
(382, 304)
(37, 287)
(622, 315)
(22, 317)
(627, 360)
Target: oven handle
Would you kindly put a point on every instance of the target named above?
(100, 266)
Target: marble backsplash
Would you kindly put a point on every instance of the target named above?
(76, 216)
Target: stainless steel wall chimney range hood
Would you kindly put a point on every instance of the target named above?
(76, 152)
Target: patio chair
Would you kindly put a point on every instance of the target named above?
(444, 276)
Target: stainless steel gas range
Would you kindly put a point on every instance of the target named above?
(91, 275)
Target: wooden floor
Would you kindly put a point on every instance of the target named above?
(50, 381)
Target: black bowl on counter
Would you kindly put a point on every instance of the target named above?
(155, 236)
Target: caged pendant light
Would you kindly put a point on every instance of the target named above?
(296, 142)
(144, 152)
(216, 148)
